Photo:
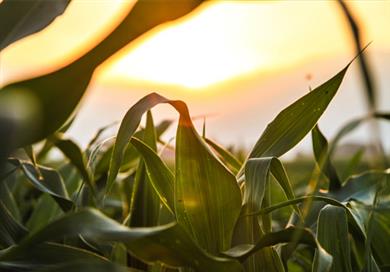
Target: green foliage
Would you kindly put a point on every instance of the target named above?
(125, 209)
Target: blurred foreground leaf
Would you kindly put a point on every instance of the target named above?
(19, 19)
(58, 93)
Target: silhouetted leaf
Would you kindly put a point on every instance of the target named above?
(320, 148)
(58, 93)
(22, 18)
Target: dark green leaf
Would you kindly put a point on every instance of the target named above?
(11, 231)
(257, 173)
(169, 244)
(145, 203)
(159, 174)
(227, 157)
(87, 266)
(73, 152)
(242, 252)
(45, 211)
(332, 234)
(8, 199)
(248, 230)
(47, 181)
(320, 148)
(207, 196)
(52, 256)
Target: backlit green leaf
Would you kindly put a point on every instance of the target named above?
(159, 174)
(207, 197)
(145, 203)
(294, 122)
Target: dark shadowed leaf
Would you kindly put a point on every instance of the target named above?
(320, 148)
(45, 211)
(169, 244)
(19, 19)
(243, 251)
(11, 231)
(59, 92)
(47, 181)
(51, 256)
(73, 152)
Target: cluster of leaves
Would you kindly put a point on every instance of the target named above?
(118, 206)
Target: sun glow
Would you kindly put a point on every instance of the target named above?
(216, 45)
(222, 41)
(198, 52)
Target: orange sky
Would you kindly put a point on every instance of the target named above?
(217, 42)
(221, 52)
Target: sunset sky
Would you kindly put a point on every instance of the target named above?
(238, 63)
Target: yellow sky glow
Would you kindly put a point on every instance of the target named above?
(218, 42)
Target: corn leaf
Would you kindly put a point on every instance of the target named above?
(244, 251)
(45, 211)
(73, 152)
(8, 200)
(227, 157)
(159, 174)
(169, 244)
(352, 125)
(257, 174)
(381, 232)
(22, 18)
(332, 233)
(207, 197)
(59, 92)
(361, 187)
(145, 203)
(87, 266)
(320, 148)
(11, 231)
(294, 122)
(53, 256)
(47, 181)
(248, 229)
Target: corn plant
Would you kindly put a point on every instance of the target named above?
(119, 205)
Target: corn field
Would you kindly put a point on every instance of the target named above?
(120, 205)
